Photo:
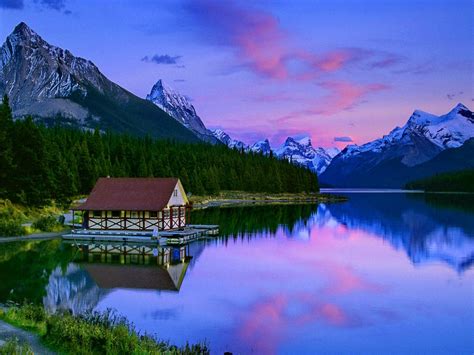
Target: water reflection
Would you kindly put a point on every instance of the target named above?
(99, 268)
(441, 230)
(360, 277)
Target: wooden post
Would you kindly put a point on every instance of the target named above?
(171, 217)
(179, 217)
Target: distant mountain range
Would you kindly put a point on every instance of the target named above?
(299, 151)
(426, 145)
(53, 85)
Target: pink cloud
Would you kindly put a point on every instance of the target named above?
(341, 96)
(255, 35)
(344, 95)
(269, 322)
(263, 46)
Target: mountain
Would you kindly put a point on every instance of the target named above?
(427, 231)
(416, 150)
(262, 147)
(179, 107)
(228, 141)
(53, 85)
(300, 151)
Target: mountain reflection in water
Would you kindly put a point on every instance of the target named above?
(361, 276)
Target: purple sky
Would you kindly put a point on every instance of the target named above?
(335, 70)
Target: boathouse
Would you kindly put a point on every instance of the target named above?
(136, 204)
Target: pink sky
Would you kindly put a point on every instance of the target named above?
(334, 70)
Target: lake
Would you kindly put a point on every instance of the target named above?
(381, 273)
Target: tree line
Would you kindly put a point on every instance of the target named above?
(39, 164)
(457, 181)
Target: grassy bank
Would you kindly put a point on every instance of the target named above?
(14, 346)
(94, 333)
(16, 219)
(231, 198)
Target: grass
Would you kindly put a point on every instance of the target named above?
(14, 347)
(92, 333)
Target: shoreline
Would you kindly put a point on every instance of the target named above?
(236, 199)
(35, 236)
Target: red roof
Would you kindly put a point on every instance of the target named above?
(130, 194)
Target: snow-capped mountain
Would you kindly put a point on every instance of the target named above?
(52, 84)
(298, 151)
(262, 147)
(179, 107)
(421, 139)
(302, 152)
(228, 141)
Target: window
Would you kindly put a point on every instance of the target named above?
(175, 193)
(97, 214)
(116, 214)
(134, 214)
(153, 214)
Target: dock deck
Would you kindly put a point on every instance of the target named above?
(169, 237)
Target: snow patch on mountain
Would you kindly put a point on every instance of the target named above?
(224, 138)
(298, 151)
(180, 108)
(262, 147)
(447, 131)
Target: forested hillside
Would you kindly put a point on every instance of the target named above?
(38, 164)
(458, 181)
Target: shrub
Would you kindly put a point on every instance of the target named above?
(11, 227)
(92, 333)
(46, 224)
(107, 333)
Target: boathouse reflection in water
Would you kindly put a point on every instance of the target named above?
(132, 266)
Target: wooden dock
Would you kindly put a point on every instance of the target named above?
(168, 237)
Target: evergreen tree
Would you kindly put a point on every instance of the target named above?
(6, 154)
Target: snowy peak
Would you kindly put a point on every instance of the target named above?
(447, 131)
(302, 152)
(54, 86)
(175, 104)
(305, 141)
(298, 151)
(224, 138)
(420, 140)
(32, 70)
(180, 108)
(262, 147)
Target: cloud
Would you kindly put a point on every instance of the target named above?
(344, 95)
(12, 4)
(57, 5)
(341, 96)
(162, 59)
(453, 96)
(261, 45)
(386, 60)
(343, 139)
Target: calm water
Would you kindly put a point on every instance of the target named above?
(382, 273)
